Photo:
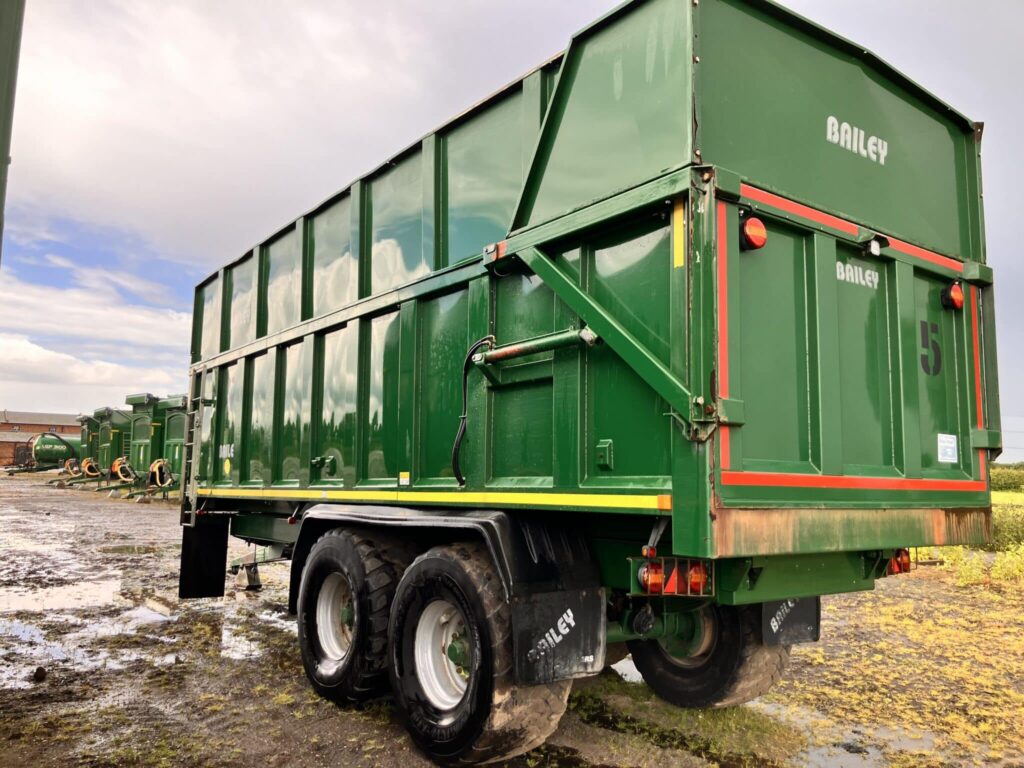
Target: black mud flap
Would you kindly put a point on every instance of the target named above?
(558, 635)
(204, 558)
(787, 622)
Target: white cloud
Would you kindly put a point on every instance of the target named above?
(90, 315)
(203, 127)
(36, 378)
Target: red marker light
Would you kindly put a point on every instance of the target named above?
(953, 296)
(754, 234)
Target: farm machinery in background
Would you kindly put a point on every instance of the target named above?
(135, 453)
(44, 452)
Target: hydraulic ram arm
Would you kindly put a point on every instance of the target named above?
(638, 357)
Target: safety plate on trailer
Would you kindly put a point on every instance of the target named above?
(786, 622)
(558, 635)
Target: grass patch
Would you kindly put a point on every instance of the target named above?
(1007, 523)
(733, 736)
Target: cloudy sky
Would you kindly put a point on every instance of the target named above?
(154, 141)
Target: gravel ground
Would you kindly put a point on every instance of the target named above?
(100, 665)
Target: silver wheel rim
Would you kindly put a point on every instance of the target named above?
(335, 618)
(444, 682)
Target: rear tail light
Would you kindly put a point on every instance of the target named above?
(899, 562)
(953, 296)
(652, 578)
(753, 234)
(697, 578)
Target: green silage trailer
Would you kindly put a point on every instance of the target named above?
(157, 444)
(655, 346)
(87, 467)
(113, 440)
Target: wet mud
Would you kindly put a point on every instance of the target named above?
(101, 665)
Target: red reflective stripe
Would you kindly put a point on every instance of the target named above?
(981, 462)
(977, 356)
(811, 214)
(723, 302)
(925, 255)
(723, 446)
(828, 220)
(788, 480)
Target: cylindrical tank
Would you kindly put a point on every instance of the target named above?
(50, 448)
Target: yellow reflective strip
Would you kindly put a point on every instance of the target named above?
(679, 234)
(661, 502)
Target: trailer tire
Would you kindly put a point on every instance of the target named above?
(734, 667)
(452, 589)
(343, 604)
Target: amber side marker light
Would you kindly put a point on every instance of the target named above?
(652, 578)
(697, 577)
(953, 296)
(753, 234)
(899, 562)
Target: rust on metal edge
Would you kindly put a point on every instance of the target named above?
(745, 532)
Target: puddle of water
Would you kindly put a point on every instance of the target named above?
(130, 549)
(29, 649)
(24, 646)
(128, 623)
(835, 746)
(284, 622)
(15, 542)
(80, 595)
(234, 646)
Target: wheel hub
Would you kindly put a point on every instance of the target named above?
(442, 653)
(335, 618)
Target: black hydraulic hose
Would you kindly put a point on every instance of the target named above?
(467, 366)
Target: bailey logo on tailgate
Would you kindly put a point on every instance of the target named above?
(852, 273)
(856, 140)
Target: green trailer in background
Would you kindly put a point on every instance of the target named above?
(113, 437)
(687, 328)
(85, 468)
(157, 445)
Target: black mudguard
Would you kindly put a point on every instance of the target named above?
(204, 557)
(547, 569)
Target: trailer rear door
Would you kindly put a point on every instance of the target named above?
(850, 383)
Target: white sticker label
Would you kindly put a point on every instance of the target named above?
(947, 449)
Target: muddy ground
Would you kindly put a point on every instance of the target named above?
(917, 673)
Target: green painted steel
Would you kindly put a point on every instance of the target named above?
(807, 406)
(12, 14)
(157, 432)
(114, 433)
(171, 411)
(90, 437)
(55, 449)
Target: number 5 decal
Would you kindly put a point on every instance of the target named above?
(931, 359)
